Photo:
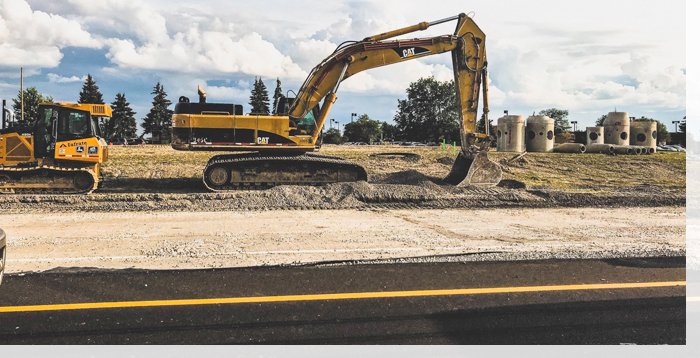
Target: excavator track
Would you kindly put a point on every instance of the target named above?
(261, 171)
(47, 179)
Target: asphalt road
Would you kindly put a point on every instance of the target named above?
(529, 302)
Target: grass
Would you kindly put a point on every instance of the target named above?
(596, 172)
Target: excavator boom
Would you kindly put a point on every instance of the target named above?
(468, 48)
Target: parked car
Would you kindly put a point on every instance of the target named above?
(3, 254)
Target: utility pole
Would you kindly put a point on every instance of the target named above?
(3, 114)
(21, 91)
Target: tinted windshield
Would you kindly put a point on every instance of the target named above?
(74, 124)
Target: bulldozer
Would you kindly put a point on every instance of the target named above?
(279, 146)
(60, 153)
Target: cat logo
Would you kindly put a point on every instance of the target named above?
(263, 140)
(406, 52)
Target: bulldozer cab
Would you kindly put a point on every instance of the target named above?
(58, 124)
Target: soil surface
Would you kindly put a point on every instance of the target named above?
(180, 240)
(158, 178)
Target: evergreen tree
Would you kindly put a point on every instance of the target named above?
(32, 99)
(123, 123)
(158, 121)
(600, 120)
(276, 96)
(90, 92)
(259, 99)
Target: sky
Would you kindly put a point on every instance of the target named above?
(590, 57)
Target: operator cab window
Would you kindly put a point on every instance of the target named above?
(74, 125)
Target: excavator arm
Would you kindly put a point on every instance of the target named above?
(467, 46)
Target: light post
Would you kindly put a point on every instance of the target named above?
(676, 124)
(352, 116)
(574, 123)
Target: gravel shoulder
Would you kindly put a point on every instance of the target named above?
(184, 240)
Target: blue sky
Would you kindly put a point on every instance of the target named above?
(588, 57)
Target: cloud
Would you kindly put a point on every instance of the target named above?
(34, 38)
(55, 78)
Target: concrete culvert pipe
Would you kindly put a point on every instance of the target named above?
(623, 149)
(651, 150)
(570, 148)
(600, 148)
(637, 149)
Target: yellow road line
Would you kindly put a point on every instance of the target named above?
(337, 296)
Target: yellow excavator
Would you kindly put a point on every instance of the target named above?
(60, 153)
(279, 144)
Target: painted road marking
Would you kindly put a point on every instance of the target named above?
(337, 296)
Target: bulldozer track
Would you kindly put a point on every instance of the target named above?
(6, 174)
(300, 169)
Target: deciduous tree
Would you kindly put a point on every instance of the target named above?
(429, 112)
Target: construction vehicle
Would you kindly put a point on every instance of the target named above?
(60, 153)
(279, 144)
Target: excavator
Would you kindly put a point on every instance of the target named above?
(60, 153)
(279, 145)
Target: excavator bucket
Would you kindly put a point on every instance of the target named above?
(473, 167)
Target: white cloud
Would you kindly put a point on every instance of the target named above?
(34, 38)
(55, 78)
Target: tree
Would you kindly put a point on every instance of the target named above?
(480, 126)
(90, 92)
(429, 113)
(363, 129)
(123, 123)
(561, 122)
(332, 136)
(32, 99)
(681, 126)
(277, 95)
(157, 122)
(662, 134)
(259, 99)
(390, 131)
(599, 121)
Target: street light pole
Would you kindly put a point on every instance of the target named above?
(574, 123)
(676, 124)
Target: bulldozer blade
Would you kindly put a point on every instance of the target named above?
(474, 168)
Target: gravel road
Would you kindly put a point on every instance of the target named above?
(183, 240)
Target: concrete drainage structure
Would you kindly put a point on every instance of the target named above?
(594, 135)
(570, 148)
(600, 148)
(539, 134)
(617, 128)
(643, 133)
(510, 134)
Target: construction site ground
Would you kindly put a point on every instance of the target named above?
(153, 212)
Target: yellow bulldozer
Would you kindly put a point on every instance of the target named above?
(279, 144)
(60, 153)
